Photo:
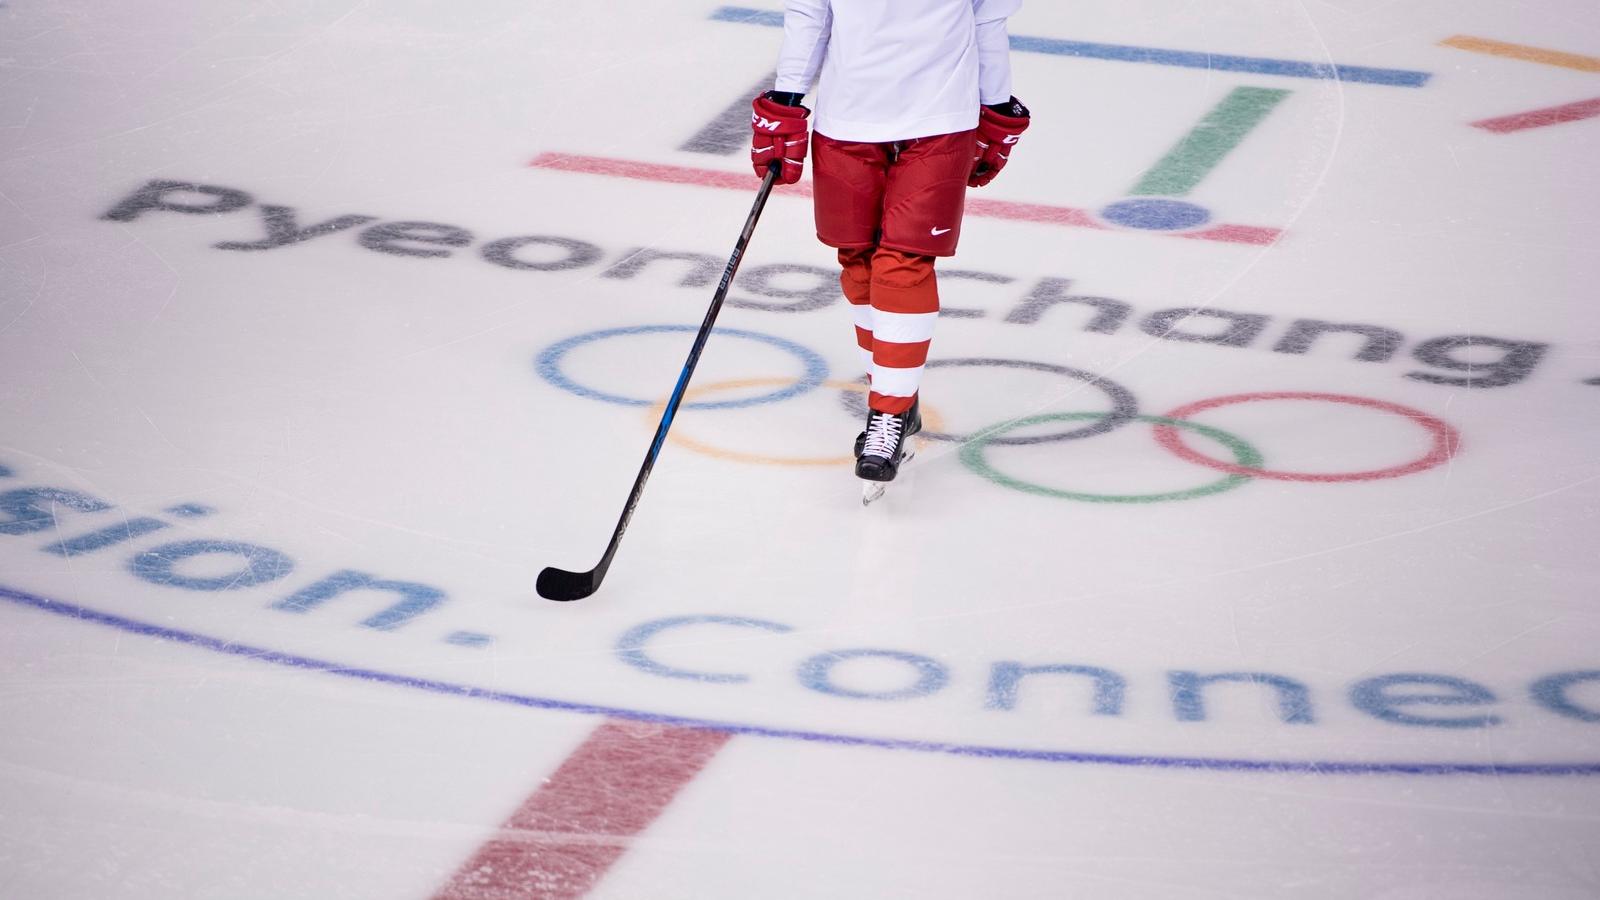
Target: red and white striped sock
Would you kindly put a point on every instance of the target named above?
(855, 280)
(905, 307)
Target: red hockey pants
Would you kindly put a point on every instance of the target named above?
(890, 209)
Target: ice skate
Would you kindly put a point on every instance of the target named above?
(912, 427)
(883, 448)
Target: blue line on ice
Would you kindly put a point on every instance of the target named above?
(261, 654)
(1188, 59)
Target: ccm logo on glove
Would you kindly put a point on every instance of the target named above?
(779, 131)
(1000, 125)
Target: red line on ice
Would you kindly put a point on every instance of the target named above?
(1539, 118)
(976, 206)
(565, 836)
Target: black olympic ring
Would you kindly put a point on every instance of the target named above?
(1124, 406)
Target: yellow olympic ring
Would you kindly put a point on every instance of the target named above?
(930, 418)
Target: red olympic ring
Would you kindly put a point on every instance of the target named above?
(1446, 440)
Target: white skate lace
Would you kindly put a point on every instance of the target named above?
(883, 435)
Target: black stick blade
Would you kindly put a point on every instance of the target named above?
(561, 585)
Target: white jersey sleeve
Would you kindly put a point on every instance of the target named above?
(806, 24)
(994, 49)
(994, 10)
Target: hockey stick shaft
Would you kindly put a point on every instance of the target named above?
(557, 584)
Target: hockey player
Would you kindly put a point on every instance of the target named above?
(914, 106)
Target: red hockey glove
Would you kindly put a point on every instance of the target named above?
(779, 132)
(999, 128)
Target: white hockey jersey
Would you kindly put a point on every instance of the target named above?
(896, 69)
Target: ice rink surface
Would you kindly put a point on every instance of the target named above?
(1254, 556)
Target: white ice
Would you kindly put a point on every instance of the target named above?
(344, 409)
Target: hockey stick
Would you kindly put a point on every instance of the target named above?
(559, 584)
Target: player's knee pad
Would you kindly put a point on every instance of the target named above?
(904, 282)
(855, 275)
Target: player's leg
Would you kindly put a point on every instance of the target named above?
(924, 196)
(855, 281)
(905, 308)
(905, 305)
(849, 179)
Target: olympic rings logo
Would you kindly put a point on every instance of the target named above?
(1247, 462)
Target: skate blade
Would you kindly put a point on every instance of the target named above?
(873, 491)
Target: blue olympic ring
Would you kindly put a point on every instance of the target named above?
(549, 366)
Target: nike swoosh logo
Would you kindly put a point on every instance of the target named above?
(939, 231)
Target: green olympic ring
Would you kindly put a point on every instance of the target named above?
(1244, 454)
